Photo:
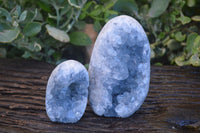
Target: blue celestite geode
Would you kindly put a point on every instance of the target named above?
(67, 92)
(119, 68)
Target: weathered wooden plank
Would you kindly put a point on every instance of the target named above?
(172, 105)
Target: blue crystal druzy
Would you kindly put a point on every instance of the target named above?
(119, 68)
(67, 92)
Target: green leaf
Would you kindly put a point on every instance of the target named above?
(172, 35)
(190, 42)
(87, 5)
(173, 45)
(180, 61)
(97, 26)
(111, 4)
(153, 54)
(193, 28)
(16, 12)
(26, 54)
(4, 12)
(82, 16)
(127, 6)
(160, 51)
(39, 16)
(23, 16)
(184, 19)
(97, 11)
(144, 10)
(29, 17)
(80, 39)
(196, 47)
(173, 18)
(158, 7)
(158, 64)
(8, 36)
(109, 15)
(32, 29)
(161, 35)
(191, 3)
(33, 47)
(4, 26)
(85, 9)
(196, 18)
(57, 56)
(194, 60)
(44, 5)
(50, 52)
(80, 25)
(57, 34)
(179, 37)
(35, 14)
(37, 47)
(3, 52)
(166, 28)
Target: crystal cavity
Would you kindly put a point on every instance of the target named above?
(67, 92)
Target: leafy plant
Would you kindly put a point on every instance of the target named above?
(172, 27)
(43, 29)
(17, 27)
(98, 13)
(25, 29)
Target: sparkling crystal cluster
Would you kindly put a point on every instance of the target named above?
(67, 92)
(119, 68)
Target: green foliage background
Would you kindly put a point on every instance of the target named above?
(43, 29)
(172, 27)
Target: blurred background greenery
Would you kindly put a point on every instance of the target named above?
(53, 30)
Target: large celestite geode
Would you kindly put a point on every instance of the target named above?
(119, 68)
(67, 92)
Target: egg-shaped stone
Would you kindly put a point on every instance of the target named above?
(119, 68)
(67, 92)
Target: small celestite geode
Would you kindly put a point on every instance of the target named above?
(119, 68)
(67, 92)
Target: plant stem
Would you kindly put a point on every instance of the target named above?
(76, 17)
(58, 16)
(68, 20)
(53, 3)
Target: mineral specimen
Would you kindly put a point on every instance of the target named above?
(119, 68)
(67, 92)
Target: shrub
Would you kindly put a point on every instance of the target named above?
(40, 29)
(172, 27)
(43, 29)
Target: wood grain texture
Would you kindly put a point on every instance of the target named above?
(172, 104)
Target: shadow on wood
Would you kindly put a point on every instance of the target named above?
(172, 105)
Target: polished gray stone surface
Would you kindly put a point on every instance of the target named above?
(119, 68)
(67, 92)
